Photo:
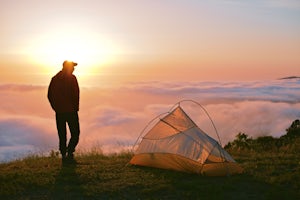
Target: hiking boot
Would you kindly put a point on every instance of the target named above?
(70, 156)
(64, 160)
(70, 159)
(63, 157)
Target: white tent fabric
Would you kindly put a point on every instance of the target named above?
(177, 143)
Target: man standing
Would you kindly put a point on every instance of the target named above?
(63, 95)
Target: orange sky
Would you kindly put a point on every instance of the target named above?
(117, 41)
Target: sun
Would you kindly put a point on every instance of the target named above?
(90, 51)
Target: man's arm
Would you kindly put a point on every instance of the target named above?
(76, 93)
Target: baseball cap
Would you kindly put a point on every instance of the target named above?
(67, 63)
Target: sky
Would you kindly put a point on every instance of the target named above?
(153, 40)
(137, 58)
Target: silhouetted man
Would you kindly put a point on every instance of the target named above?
(63, 95)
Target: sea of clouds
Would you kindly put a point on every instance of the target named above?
(112, 118)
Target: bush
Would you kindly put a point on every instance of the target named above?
(290, 142)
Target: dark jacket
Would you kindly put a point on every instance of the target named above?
(63, 93)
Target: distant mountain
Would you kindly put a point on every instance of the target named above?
(290, 77)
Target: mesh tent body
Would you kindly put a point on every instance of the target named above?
(177, 143)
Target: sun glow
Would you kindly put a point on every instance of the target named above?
(91, 52)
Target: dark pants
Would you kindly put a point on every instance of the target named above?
(73, 122)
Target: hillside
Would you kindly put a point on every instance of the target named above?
(271, 171)
(267, 176)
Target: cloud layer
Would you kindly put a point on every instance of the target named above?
(113, 118)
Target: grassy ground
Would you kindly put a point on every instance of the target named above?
(267, 176)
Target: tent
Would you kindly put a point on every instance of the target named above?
(175, 142)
